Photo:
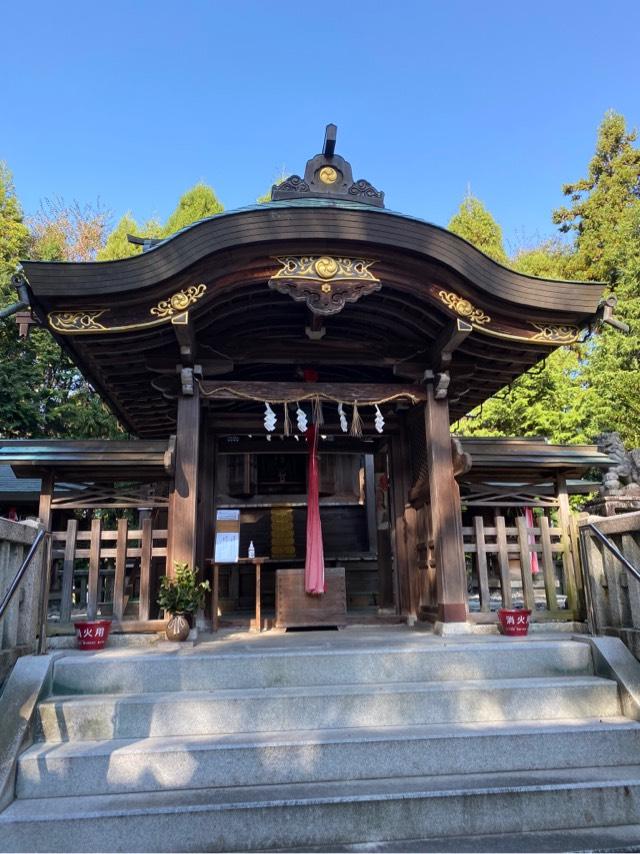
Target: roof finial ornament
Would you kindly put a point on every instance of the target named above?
(330, 134)
(328, 176)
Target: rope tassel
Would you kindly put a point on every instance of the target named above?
(356, 422)
(287, 421)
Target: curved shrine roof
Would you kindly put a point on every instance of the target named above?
(356, 292)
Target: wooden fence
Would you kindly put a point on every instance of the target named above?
(499, 559)
(20, 624)
(614, 593)
(112, 573)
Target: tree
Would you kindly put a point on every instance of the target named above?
(599, 202)
(117, 245)
(549, 400)
(549, 260)
(612, 371)
(62, 231)
(14, 234)
(41, 391)
(197, 203)
(586, 389)
(474, 222)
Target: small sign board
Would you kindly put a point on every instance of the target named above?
(227, 548)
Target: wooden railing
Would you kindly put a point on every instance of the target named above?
(499, 559)
(614, 592)
(108, 572)
(19, 625)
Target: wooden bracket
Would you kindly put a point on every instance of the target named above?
(187, 378)
(449, 339)
(186, 337)
(440, 382)
(315, 330)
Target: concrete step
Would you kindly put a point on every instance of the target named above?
(324, 707)
(398, 660)
(80, 768)
(572, 840)
(326, 814)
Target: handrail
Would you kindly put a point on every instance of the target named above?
(8, 596)
(615, 551)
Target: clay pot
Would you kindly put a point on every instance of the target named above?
(177, 628)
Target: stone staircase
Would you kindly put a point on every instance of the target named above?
(383, 741)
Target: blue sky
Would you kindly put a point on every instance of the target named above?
(133, 102)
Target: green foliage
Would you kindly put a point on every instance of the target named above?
(14, 235)
(182, 594)
(550, 400)
(584, 390)
(117, 246)
(197, 203)
(612, 371)
(548, 260)
(474, 222)
(599, 201)
(42, 394)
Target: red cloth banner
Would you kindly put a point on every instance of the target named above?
(314, 561)
(528, 515)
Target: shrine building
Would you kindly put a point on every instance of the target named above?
(302, 361)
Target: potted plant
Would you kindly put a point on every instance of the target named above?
(180, 596)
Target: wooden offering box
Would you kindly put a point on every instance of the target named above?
(296, 609)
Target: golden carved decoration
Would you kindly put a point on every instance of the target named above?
(328, 175)
(564, 333)
(85, 321)
(325, 283)
(179, 301)
(464, 308)
(77, 321)
(325, 267)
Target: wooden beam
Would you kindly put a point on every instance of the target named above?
(451, 337)
(186, 337)
(446, 513)
(46, 496)
(346, 392)
(167, 365)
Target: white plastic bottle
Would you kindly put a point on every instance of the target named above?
(252, 550)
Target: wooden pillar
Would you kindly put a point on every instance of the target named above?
(206, 501)
(184, 496)
(564, 516)
(399, 495)
(46, 495)
(446, 514)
